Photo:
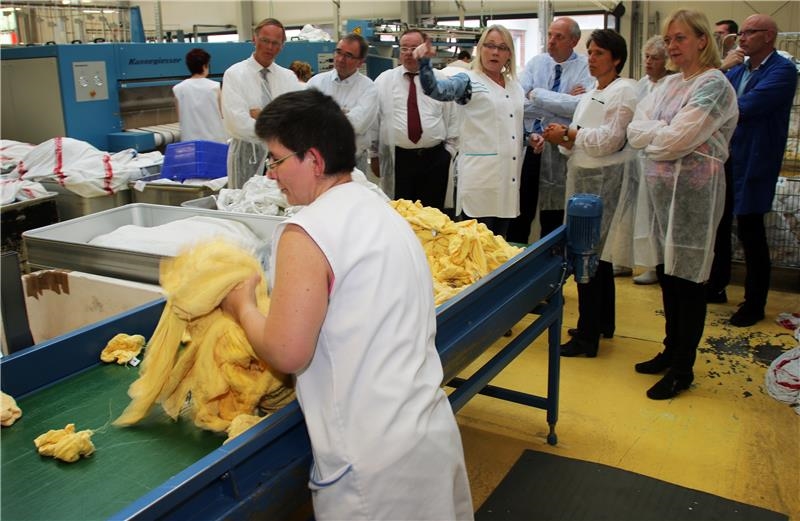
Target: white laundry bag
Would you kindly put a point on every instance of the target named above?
(80, 167)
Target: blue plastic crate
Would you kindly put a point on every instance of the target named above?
(195, 160)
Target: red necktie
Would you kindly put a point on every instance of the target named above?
(414, 123)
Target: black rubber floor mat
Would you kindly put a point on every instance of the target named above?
(543, 486)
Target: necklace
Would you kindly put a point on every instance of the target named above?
(699, 72)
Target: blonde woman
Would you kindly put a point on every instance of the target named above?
(491, 143)
(683, 129)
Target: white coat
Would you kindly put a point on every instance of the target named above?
(243, 89)
(491, 144)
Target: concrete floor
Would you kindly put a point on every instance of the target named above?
(725, 435)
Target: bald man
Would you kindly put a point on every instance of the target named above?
(765, 83)
(553, 83)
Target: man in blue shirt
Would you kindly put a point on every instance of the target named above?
(553, 83)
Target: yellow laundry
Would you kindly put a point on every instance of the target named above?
(459, 253)
(122, 348)
(65, 444)
(240, 424)
(9, 412)
(218, 368)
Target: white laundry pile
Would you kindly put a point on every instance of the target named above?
(11, 152)
(83, 169)
(782, 380)
(171, 238)
(13, 189)
(313, 34)
(260, 195)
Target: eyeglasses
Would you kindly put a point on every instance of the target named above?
(345, 54)
(679, 39)
(493, 47)
(267, 41)
(272, 165)
(750, 32)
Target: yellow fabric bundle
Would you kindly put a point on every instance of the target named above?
(240, 424)
(218, 368)
(9, 412)
(459, 253)
(65, 444)
(122, 348)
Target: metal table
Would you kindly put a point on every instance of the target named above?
(165, 470)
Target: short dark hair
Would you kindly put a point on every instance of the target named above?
(733, 27)
(464, 55)
(306, 119)
(363, 46)
(196, 59)
(612, 41)
(411, 31)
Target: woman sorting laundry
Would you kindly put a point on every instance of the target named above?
(352, 316)
(683, 128)
(598, 160)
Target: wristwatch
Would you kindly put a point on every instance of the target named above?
(565, 137)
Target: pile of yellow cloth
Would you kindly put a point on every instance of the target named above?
(122, 348)
(9, 412)
(459, 253)
(65, 444)
(217, 371)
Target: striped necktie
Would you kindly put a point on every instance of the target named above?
(557, 80)
(265, 76)
(537, 125)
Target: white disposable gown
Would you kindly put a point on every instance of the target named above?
(599, 159)
(683, 129)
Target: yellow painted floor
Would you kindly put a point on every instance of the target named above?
(725, 435)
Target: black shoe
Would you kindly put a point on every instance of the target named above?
(670, 385)
(577, 347)
(658, 364)
(716, 297)
(574, 332)
(746, 316)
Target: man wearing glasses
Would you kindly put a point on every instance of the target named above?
(553, 82)
(247, 87)
(417, 135)
(765, 84)
(355, 93)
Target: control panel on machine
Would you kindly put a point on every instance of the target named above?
(91, 82)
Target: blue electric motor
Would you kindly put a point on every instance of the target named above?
(584, 213)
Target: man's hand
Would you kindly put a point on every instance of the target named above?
(734, 58)
(254, 113)
(424, 50)
(536, 142)
(577, 90)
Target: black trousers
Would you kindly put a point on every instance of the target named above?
(519, 229)
(753, 236)
(549, 220)
(596, 304)
(685, 316)
(720, 275)
(498, 225)
(421, 174)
